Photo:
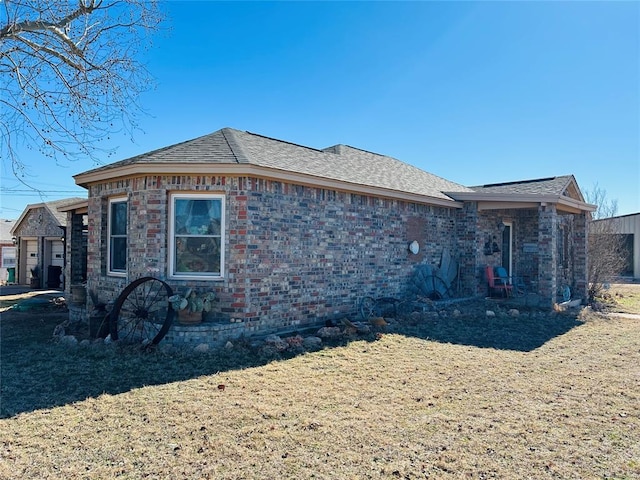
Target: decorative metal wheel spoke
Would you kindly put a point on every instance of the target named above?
(368, 308)
(142, 313)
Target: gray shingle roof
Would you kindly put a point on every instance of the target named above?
(52, 207)
(340, 162)
(61, 217)
(540, 186)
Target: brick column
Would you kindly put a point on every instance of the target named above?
(469, 248)
(76, 250)
(547, 253)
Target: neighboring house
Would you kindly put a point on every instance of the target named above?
(7, 252)
(40, 239)
(627, 226)
(288, 235)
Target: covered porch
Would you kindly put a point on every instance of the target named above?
(536, 230)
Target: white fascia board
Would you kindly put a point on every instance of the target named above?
(571, 203)
(495, 200)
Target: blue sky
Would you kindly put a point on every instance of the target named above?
(475, 92)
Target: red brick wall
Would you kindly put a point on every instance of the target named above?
(294, 254)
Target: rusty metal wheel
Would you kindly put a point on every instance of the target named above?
(142, 313)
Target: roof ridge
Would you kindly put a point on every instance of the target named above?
(231, 132)
(162, 149)
(284, 141)
(518, 182)
(361, 150)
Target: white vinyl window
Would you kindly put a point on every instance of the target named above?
(117, 228)
(8, 257)
(196, 236)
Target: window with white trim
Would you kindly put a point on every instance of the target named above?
(196, 236)
(117, 228)
(8, 257)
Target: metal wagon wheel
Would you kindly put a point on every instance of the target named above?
(142, 313)
(368, 308)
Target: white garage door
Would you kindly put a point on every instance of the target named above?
(31, 246)
(57, 253)
(30, 259)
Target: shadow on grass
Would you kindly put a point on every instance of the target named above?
(524, 333)
(38, 373)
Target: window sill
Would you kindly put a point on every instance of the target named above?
(117, 274)
(201, 278)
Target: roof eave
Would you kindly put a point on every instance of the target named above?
(525, 200)
(572, 204)
(78, 207)
(178, 168)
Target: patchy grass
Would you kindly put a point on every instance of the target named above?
(32, 300)
(623, 298)
(442, 397)
(8, 301)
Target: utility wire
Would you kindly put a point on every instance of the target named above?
(37, 192)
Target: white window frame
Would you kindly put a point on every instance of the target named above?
(172, 236)
(116, 273)
(8, 257)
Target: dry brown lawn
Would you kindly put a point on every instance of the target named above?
(433, 403)
(623, 298)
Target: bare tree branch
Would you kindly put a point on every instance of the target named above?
(70, 74)
(14, 29)
(606, 207)
(606, 247)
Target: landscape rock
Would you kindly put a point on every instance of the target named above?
(362, 328)
(295, 341)
(60, 330)
(329, 332)
(276, 342)
(69, 340)
(378, 322)
(346, 323)
(202, 348)
(312, 343)
(490, 313)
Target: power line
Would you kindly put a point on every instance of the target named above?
(37, 192)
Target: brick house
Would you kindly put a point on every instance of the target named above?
(288, 235)
(40, 242)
